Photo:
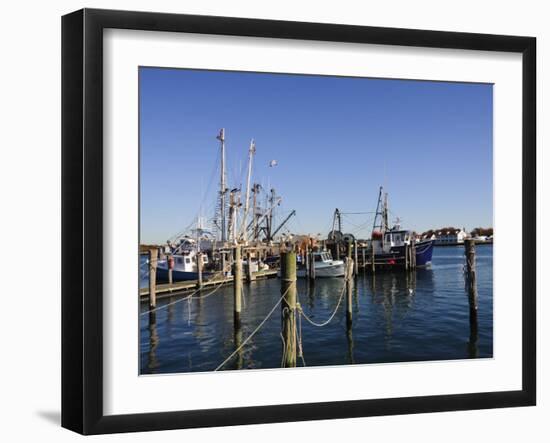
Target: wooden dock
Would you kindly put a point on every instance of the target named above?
(168, 290)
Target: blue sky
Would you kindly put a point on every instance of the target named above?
(336, 140)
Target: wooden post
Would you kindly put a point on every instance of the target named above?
(373, 266)
(349, 251)
(407, 254)
(237, 285)
(311, 267)
(223, 263)
(349, 289)
(364, 256)
(356, 258)
(199, 270)
(170, 266)
(288, 308)
(413, 253)
(307, 261)
(470, 252)
(249, 274)
(153, 253)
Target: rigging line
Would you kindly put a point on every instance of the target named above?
(357, 213)
(257, 328)
(333, 314)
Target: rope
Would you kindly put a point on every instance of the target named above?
(184, 299)
(320, 325)
(284, 349)
(300, 346)
(255, 330)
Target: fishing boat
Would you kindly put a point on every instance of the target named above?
(390, 244)
(184, 266)
(325, 266)
(390, 248)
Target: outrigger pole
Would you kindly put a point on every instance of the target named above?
(223, 189)
(251, 152)
(382, 211)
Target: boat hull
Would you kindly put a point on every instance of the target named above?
(162, 275)
(327, 271)
(396, 257)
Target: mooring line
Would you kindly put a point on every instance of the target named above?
(257, 328)
(184, 299)
(320, 325)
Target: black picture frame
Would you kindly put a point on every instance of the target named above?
(82, 218)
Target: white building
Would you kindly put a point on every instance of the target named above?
(450, 237)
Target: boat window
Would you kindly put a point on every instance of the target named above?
(187, 260)
(325, 257)
(179, 260)
(318, 258)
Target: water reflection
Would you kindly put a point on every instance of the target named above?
(152, 362)
(422, 315)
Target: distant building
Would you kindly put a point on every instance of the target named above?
(450, 236)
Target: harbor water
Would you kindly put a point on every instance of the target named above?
(397, 317)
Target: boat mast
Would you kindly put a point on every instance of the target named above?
(255, 214)
(380, 212)
(269, 219)
(386, 210)
(251, 152)
(223, 189)
(336, 218)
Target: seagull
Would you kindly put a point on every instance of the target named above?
(272, 163)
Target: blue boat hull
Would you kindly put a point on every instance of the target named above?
(396, 257)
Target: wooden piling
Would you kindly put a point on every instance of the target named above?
(249, 273)
(170, 263)
(471, 284)
(470, 253)
(288, 308)
(153, 254)
(372, 264)
(349, 290)
(199, 270)
(356, 258)
(311, 266)
(349, 285)
(237, 285)
(307, 261)
(407, 256)
(364, 257)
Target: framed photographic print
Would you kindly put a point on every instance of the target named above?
(269, 221)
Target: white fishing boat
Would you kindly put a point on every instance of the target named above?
(325, 266)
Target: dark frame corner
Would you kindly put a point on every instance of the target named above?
(82, 151)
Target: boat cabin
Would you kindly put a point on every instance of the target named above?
(398, 238)
(188, 261)
(324, 256)
(391, 239)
